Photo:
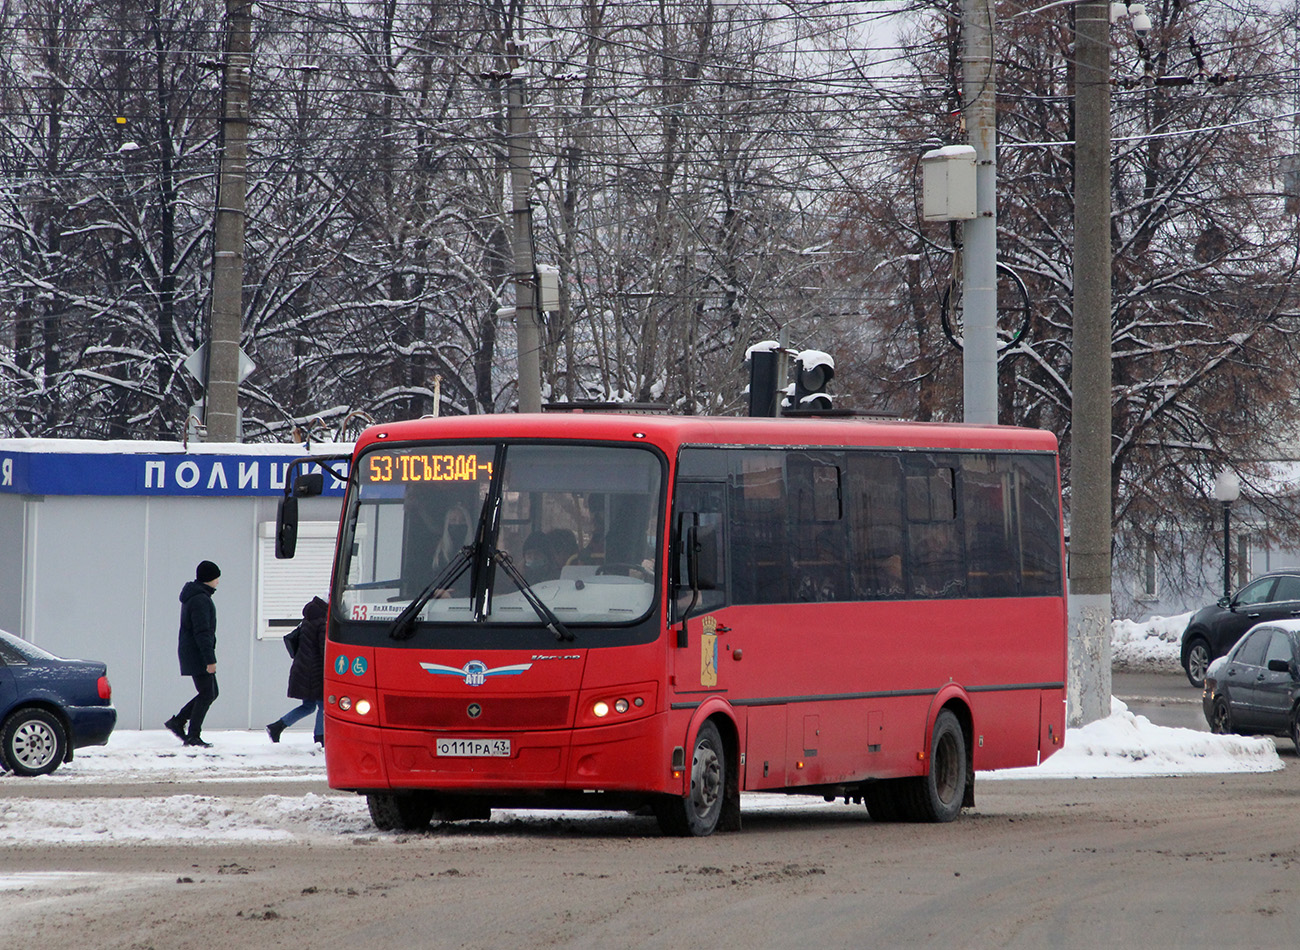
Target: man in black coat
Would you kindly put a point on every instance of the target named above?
(307, 674)
(197, 650)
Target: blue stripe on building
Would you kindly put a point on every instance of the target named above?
(93, 473)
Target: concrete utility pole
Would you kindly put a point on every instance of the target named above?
(527, 331)
(979, 293)
(221, 406)
(1090, 495)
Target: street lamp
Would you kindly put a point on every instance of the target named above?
(1227, 489)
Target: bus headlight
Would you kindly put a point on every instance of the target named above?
(355, 707)
(616, 704)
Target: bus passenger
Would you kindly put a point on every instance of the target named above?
(540, 561)
(455, 536)
(564, 545)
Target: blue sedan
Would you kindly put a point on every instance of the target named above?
(49, 706)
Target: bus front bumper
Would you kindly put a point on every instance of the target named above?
(628, 757)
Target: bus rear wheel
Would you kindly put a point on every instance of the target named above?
(938, 794)
(697, 814)
(400, 811)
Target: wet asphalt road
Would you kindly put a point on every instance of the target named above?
(1167, 699)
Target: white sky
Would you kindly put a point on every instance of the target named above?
(1122, 745)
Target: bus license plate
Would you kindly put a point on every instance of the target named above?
(474, 747)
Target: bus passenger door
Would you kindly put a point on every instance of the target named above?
(699, 520)
(708, 661)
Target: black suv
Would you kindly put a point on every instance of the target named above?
(1213, 630)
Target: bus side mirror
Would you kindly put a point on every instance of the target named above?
(286, 527)
(702, 556)
(309, 485)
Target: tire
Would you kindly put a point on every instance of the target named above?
(1197, 661)
(399, 811)
(1221, 718)
(34, 742)
(697, 813)
(1295, 729)
(882, 800)
(937, 795)
(457, 808)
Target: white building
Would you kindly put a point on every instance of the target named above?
(99, 537)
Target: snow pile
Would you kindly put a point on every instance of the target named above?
(1152, 646)
(199, 819)
(156, 755)
(1127, 746)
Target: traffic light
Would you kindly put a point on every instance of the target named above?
(813, 372)
(762, 359)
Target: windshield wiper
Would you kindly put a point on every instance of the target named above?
(544, 612)
(404, 624)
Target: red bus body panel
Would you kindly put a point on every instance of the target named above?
(818, 695)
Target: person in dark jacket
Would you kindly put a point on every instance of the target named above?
(307, 674)
(197, 650)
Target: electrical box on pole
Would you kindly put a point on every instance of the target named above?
(1289, 166)
(548, 287)
(948, 183)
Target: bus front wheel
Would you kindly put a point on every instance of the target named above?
(697, 814)
(400, 811)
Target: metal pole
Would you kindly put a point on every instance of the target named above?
(221, 405)
(980, 236)
(1227, 554)
(527, 332)
(782, 368)
(1088, 677)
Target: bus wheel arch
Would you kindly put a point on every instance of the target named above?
(711, 794)
(729, 820)
(948, 785)
(955, 700)
(962, 711)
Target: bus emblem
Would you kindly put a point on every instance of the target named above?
(709, 652)
(475, 672)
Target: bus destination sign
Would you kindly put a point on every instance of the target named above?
(405, 467)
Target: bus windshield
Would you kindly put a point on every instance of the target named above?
(578, 525)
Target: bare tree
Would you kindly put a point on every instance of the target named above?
(1204, 259)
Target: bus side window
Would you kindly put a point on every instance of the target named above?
(937, 564)
(1038, 509)
(992, 556)
(702, 504)
(759, 528)
(874, 510)
(818, 541)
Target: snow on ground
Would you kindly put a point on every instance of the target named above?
(1150, 646)
(1127, 746)
(1121, 746)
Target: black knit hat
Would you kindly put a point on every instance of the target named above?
(206, 571)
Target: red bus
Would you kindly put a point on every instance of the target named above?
(614, 611)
